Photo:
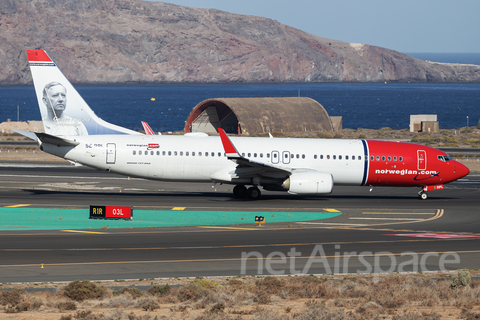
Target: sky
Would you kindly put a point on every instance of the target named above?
(407, 25)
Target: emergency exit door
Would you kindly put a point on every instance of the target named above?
(421, 160)
(111, 153)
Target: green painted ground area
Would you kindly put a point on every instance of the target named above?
(56, 219)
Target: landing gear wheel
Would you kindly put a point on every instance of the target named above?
(239, 191)
(253, 193)
(422, 195)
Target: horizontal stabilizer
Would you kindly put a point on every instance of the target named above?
(27, 134)
(49, 139)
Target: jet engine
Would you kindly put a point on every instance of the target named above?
(309, 182)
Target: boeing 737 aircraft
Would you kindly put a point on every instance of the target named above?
(298, 166)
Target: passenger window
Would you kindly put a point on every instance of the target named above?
(249, 154)
(298, 156)
(303, 156)
(394, 158)
(339, 157)
(206, 154)
(378, 158)
(315, 156)
(400, 158)
(243, 154)
(175, 153)
(268, 155)
(359, 157)
(261, 155)
(334, 157)
(193, 153)
(163, 153)
(169, 153)
(140, 152)
(254, 155)
(219, 154)
(200, 154)
(275, 155)
(158, 153)
(328, 156)
(151, 153)
(321, 156)
(187, 153)
(353, 157)
(213, 154)
(346, 157)
(383, 158)
(389, 158)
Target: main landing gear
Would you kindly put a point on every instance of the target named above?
(252, 193)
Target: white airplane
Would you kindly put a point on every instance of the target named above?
(298, 166)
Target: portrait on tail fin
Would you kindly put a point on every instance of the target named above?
(63, 110)
(57, 122)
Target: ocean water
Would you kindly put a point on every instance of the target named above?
(362, 105)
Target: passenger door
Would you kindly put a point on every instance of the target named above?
(421, 160)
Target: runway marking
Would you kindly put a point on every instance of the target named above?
(247, 245)
(398, 213)
(18, 206)
(223, 259)
(178, 208)
(386, 219)
(433, 235)
(332, 224)
(209, 227)
(331, 210)
(79, 231)
(436, 216)
(66, 177)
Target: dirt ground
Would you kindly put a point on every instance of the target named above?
(436, 295)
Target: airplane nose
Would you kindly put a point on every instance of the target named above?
(460, 170)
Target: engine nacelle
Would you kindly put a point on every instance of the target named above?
(309, 182)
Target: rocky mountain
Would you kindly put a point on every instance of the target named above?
(112, 41)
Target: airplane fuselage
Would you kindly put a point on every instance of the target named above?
(202, 159)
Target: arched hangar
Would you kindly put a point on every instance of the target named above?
(259, 115)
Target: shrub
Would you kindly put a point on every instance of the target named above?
(11, 297)
(83, 290)
(67, 306)
(134, 292)
(192, 291)
(159, 290)
(324, 135)
(460, 280)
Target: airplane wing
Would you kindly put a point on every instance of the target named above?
(242, 162)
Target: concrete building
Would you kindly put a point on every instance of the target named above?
(424, 123)
(259, 115)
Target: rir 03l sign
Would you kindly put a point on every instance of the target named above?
(110, 212)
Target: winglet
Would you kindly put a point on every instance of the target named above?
(148, 130)
(228, 146)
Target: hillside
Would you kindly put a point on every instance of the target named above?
(114, 41)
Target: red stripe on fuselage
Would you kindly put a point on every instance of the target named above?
(414, 169)
(38, 55)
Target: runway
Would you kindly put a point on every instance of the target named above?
(385, 230)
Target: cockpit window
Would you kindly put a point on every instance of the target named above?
(444, 158)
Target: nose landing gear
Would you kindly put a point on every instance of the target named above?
(422, 194)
